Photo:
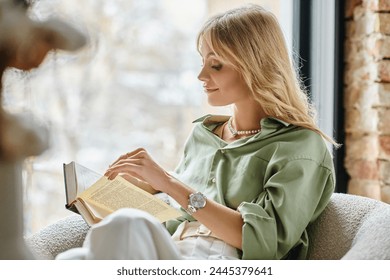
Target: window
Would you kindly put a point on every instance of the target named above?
(319, 27)
(134, 85)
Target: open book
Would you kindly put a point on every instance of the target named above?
(94, 196)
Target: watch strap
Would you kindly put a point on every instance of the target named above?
(191, 209)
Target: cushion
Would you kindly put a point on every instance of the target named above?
(351, 227)
(65, 234)
(347, 226)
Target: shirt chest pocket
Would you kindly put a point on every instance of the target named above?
(246, 180)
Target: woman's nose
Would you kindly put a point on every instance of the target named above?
(203, 76)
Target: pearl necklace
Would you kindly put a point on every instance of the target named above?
(241, 132)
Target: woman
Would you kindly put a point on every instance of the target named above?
(250, 183)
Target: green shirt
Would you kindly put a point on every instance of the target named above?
(280, 180)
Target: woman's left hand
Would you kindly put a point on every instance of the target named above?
(140, 165)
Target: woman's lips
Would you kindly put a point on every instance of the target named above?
(209, 90)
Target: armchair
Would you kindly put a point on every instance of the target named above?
(351, 227)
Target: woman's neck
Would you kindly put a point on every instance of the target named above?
(247, 117)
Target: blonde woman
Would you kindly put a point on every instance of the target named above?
(249, 184)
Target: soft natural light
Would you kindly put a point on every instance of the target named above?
(134, 85)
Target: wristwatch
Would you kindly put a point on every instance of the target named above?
(196, 201)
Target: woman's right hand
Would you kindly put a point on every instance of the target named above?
(140, 184)
(133, 180)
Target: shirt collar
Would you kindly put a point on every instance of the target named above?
(214, 119)
(272, 120)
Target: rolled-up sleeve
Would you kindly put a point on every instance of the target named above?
(294, 194)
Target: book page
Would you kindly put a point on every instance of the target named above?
(85, 177)
(106, 196)
(70, 183)
(84, 211)
(77, 179)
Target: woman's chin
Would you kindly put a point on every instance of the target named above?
(216, 103)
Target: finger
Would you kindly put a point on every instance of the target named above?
(140, 184)
(128, 155)
(113, 174)
(131, 179)
(131, 167)
(120, 159)
(135, 152)
(126, 163)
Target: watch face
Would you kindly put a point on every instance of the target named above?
(198, 200)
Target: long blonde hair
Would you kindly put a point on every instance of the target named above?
(250, 39)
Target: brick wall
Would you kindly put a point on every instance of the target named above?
(367, 97)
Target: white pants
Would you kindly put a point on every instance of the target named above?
(134, 234)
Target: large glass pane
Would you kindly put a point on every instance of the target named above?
(134, 85)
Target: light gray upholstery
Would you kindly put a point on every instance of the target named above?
(65, 234)
(351, 227)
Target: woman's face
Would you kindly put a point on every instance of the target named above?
(222, 83)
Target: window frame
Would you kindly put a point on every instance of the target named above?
(319, 28)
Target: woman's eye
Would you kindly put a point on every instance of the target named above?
(217, 67)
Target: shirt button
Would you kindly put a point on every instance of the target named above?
(213, 180)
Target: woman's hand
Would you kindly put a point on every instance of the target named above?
(223, 221)
(138, 165)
